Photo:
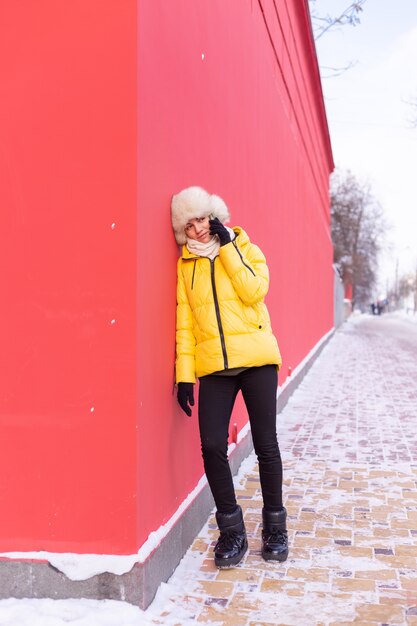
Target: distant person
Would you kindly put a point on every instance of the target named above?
(224, 338)
(376, 308)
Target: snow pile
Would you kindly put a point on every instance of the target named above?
(407, 314)
(46, 612)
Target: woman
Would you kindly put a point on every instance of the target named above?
(224, 338)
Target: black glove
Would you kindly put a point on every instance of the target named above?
(217, 228)
(185, 395)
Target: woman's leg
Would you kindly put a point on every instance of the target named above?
(215, 403)
(259, 389)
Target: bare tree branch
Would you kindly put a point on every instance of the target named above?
(336, 71)
(323, 23)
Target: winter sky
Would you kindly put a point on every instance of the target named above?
(369, 113)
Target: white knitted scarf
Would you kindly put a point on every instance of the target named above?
(209, 249)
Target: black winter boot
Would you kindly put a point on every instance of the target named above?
(232, 543)
(274, 535)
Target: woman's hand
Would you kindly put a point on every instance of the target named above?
(185, 396)
(217, 228)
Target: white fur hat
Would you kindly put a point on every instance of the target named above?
(195, 202)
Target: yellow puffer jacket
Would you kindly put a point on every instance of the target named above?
(222, 320)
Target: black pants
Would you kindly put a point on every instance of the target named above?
(216, 399)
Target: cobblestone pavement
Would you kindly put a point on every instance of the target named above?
(348, 439)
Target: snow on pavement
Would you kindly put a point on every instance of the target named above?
(348, 439)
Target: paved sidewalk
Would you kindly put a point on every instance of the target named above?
(348, 439)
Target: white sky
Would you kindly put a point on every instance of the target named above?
(368, 114)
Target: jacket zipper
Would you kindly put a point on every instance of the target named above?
(192, 280)
(241, 258)
(219, 321)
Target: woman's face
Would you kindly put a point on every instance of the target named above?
(199, 229)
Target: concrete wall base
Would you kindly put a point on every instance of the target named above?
(31, 579)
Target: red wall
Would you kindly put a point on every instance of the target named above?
(67, 173)
(103, 115)
(246, 122)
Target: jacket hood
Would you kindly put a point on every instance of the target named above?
(195, 202)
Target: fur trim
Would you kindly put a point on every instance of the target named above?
(195, 202)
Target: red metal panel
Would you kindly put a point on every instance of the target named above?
(67, 280)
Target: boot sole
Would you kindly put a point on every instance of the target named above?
(275, 557)
(228, 563)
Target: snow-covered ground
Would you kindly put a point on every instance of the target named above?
(63, 612)
(407, 314)
(349, 446)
